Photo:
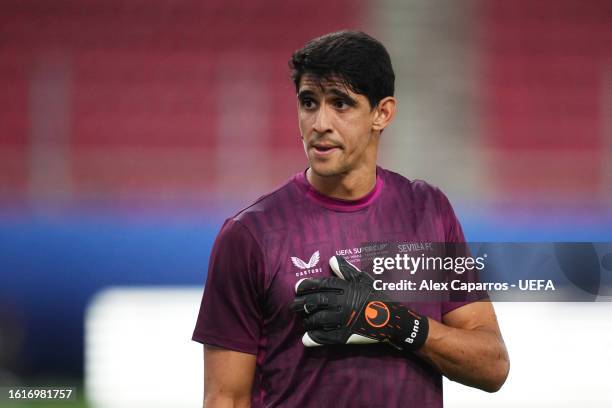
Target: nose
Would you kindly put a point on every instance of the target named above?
(322, 122)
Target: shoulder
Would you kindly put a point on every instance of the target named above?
(417, 191)
(427, 201)
(267, 211)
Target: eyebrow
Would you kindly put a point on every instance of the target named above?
(303, 94)
(350, 101)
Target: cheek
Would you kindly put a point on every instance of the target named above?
(304, 122)
(356, 133)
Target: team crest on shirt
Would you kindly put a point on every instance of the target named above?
(307, 268)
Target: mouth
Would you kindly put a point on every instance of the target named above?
(324, 149)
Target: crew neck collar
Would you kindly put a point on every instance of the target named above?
(337, 204)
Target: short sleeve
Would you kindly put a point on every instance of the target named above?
(457, 247)
(230, 313)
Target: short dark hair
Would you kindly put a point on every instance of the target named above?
(361, 62)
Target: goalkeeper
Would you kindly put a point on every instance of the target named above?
(275, 319)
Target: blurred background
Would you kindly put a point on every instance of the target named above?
(130, 129)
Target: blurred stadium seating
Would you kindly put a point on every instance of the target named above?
(113, 99)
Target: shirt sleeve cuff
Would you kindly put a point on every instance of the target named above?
(230, 344)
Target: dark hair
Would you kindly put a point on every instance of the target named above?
(356, 59)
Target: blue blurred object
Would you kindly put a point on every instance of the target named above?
(51, 267)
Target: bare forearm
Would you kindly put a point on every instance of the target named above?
(221, 400)
(228, 378)
(475, 357)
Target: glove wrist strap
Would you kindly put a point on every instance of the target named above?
(411, 330)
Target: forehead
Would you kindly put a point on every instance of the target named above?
(315, 83)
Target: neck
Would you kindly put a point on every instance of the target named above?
(349, 186)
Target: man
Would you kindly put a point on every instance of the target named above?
(251, 321)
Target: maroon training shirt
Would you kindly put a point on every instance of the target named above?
(261, 253)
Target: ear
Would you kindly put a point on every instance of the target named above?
(384, 113)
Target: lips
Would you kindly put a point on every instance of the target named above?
(323, 149)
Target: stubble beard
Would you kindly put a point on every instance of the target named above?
(329, 170)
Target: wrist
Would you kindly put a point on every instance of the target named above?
(411, 329)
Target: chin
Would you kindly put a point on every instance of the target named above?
(326, 169)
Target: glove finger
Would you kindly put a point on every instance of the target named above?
(308, 340)
(323, 320)
(344, 269)
(313, 338)
(307, 285)
(313, 302)
(297, 305)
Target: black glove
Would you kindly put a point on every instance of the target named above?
(347, 310)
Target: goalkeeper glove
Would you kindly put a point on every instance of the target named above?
(348, 310)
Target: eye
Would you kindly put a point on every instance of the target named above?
(307, 103)
(340, 104)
